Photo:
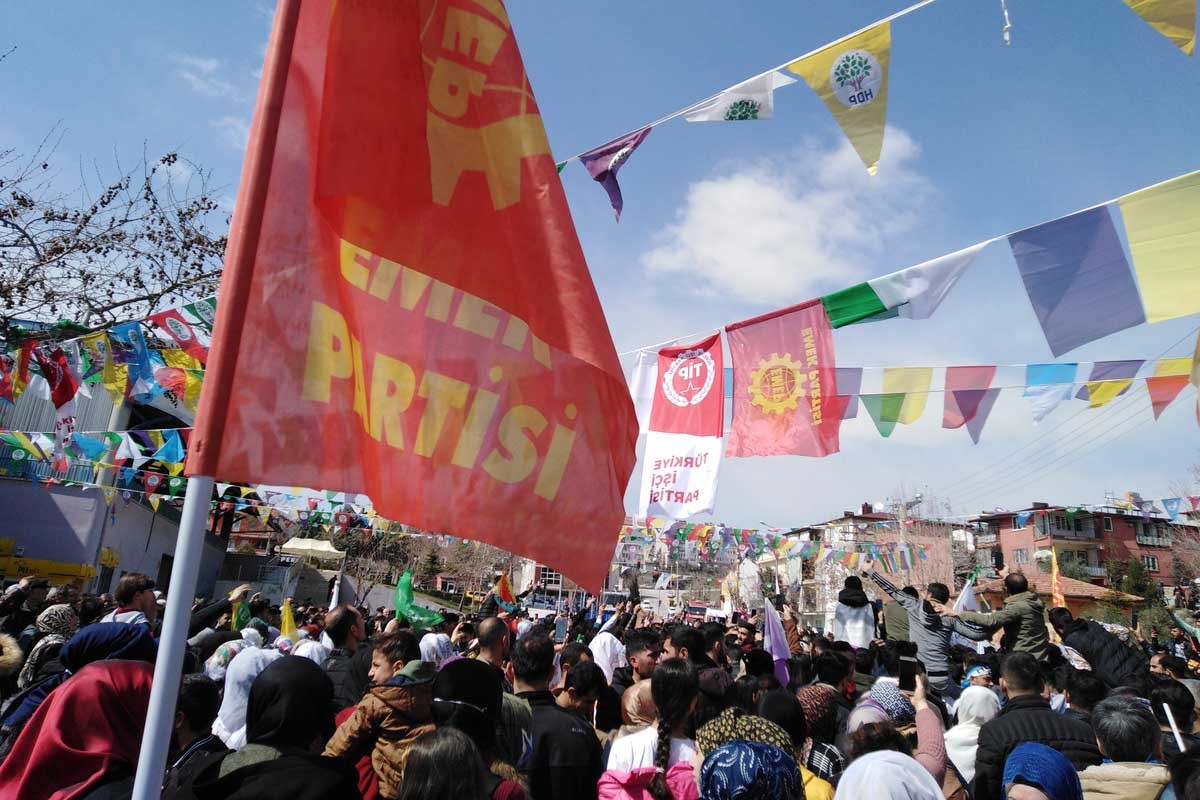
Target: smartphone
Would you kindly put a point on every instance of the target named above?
(908, 674)
(560, 629)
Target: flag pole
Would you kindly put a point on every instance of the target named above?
(240, 255)
(156, 737)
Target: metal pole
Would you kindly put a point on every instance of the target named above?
(156, 737)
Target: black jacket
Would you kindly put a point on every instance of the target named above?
(295, 776)
(350, 673)
(622, 679)
(1028, 719)
(1112, 661)
(566, 759)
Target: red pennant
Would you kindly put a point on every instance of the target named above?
(182, 332)
(1163, 390)
(53, 365)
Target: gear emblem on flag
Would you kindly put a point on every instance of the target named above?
(777, 384)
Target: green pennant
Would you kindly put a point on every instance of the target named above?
(884, 410)
(241, 616)
(559, 166)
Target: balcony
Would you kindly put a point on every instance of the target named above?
(1154, 541)
(985, 539)
(1097, 572)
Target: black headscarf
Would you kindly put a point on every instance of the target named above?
(290, 705)
(468, 695)
(781, 707)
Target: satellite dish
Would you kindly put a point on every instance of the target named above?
(879, 507)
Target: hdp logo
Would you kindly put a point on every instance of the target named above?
(179, 329)
(742, 110)
(856, 77)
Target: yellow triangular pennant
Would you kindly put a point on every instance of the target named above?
(1174, 19)
(154, 501)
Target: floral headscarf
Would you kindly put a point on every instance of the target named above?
(750, 771)
(56, 623)
(219, 661)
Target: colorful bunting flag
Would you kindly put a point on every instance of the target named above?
(913, 383)
(1109, 379)
(1023, 517)
(129, 348)
(8, 376)
(171, 451)
(884, 410)
(603, 163)
(1174, 19)
(1170, 377)
(1172, 505)
(287, 621)
(849, 385)
(752, 99)
(205, 311)
(179, 329)
(968, 400)
(1195, 501)
(785, 389)
(1077, 279)
(154, 501)
(1162, 223)
(851, 77)
(913, 293)
(1047, 385)
(99, 366)
(52, 365)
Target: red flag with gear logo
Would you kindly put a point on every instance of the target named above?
(403, 256)
(784, 384)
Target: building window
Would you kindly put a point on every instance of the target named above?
(1020, 556)
(1150, 563)
(1078, 525)
(550, 578)
(1108, 523)
(1016, 526)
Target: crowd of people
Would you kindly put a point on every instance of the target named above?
(897, 701)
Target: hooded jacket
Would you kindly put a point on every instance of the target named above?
(1124, 780)
(387, 721)
(1023, 618)
(634, 785)
(854, 618)
(1111, 660)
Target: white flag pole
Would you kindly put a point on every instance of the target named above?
(156, 737)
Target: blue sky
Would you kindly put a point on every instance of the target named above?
(726, 221)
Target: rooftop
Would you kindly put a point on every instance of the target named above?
(1070, 588)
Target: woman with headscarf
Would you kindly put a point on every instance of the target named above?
(883, 720)
(608, 653)
(976, 706)
(436, 648)
(742, 769)
(887, 775)
(289, 716)
(313, 650)
(782, 708)
(246, 666)
(218, 663)
(468, 696)
(820, 711)
(1040, 767)
(55, 625)
(85, 736)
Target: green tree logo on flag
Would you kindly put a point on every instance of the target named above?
(741, 110)
(856, 78)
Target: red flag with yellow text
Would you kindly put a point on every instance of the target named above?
(406, 310)
(784, 384)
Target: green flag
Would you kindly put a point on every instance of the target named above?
(419, 616)
(241, 616)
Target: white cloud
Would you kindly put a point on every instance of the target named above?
(204, 76)
(234, 130)
(793, 225)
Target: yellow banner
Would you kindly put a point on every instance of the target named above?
(913, 383)
(1174, 19)
(1170, 367)
(851, 77)
(1162, 223)
(1100, 393)
(114, 377)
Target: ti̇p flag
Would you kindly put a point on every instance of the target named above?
(686, 422)
(405, 309)
(784, 384)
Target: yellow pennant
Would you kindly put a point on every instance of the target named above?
(1174, 19)
(1171, 367)
(913, 383)
(154, 501)
(114, 377)
(1100, 393)
(1162, 223)
(851, 77)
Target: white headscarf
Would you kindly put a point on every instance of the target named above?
(311, 649)
(887, 775)
(436, 648)
(608, 653)
(977, 705)
(523, 628)
(230, 724)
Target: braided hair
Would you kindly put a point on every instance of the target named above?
(674, 687)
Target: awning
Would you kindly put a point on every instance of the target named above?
(312, 548)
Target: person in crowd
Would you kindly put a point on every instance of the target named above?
(1175, 696)
(436, 648)
(1179, 645)
(468, 696)
(895, 616)
(444, 764)
(244, 669)
(742, 769)
(581, 687)
(1034, 771)
(684, 641)
(1185, 776)
(193, 744)
(637, 710)
(854, 616)
(887, 775)
(289, 717)
(348, 664)
(888, 711)
(21, 604)
(1022, 618)
(217, 664)
(313, 650)
(607, 652)
(1026, 717)
(1084, 690)
(54, 626)
(976, 707)
(393, 714)
(494, 639)
(781, 707)
(642, 651)
(565, 761)
(659, 760)
(136, 601)
(1110, 659)
(1126, 733)
(84, 738)
(1168, 666)
(821, 711)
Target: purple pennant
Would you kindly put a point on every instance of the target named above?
(1077, 278)
(1111, 371)
(849, 384)
(603, 162)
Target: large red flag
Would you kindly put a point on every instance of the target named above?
(405, 309)
(784, 384)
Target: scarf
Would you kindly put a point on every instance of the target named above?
(218, 662)
(56, 623)
(887, 775)
(435, 648)
(230, 725)
(976, 706)
(290, 705)
(751, 771)
(608, 653)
